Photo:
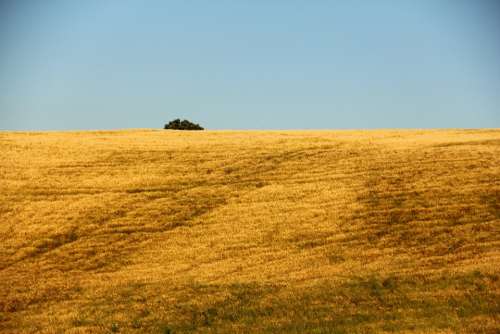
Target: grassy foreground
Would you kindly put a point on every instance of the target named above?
(250, 232)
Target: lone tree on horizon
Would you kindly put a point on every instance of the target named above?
(177, 124)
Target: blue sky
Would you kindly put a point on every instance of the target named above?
(253, 64)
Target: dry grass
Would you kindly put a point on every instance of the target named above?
(250, 232)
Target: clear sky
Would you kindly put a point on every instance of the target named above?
(249, 64)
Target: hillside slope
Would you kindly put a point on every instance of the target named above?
(250, 232)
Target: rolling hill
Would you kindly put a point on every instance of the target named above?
(145, 231)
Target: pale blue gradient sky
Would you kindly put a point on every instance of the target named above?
(231, 64)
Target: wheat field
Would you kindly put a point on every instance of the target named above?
(148, 231)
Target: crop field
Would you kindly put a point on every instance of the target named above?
(149, 231)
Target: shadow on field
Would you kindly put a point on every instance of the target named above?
(425, 207)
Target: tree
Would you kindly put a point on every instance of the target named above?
(177, 124)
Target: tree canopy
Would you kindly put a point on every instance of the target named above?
(177, 124)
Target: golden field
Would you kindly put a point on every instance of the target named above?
(146, 231)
